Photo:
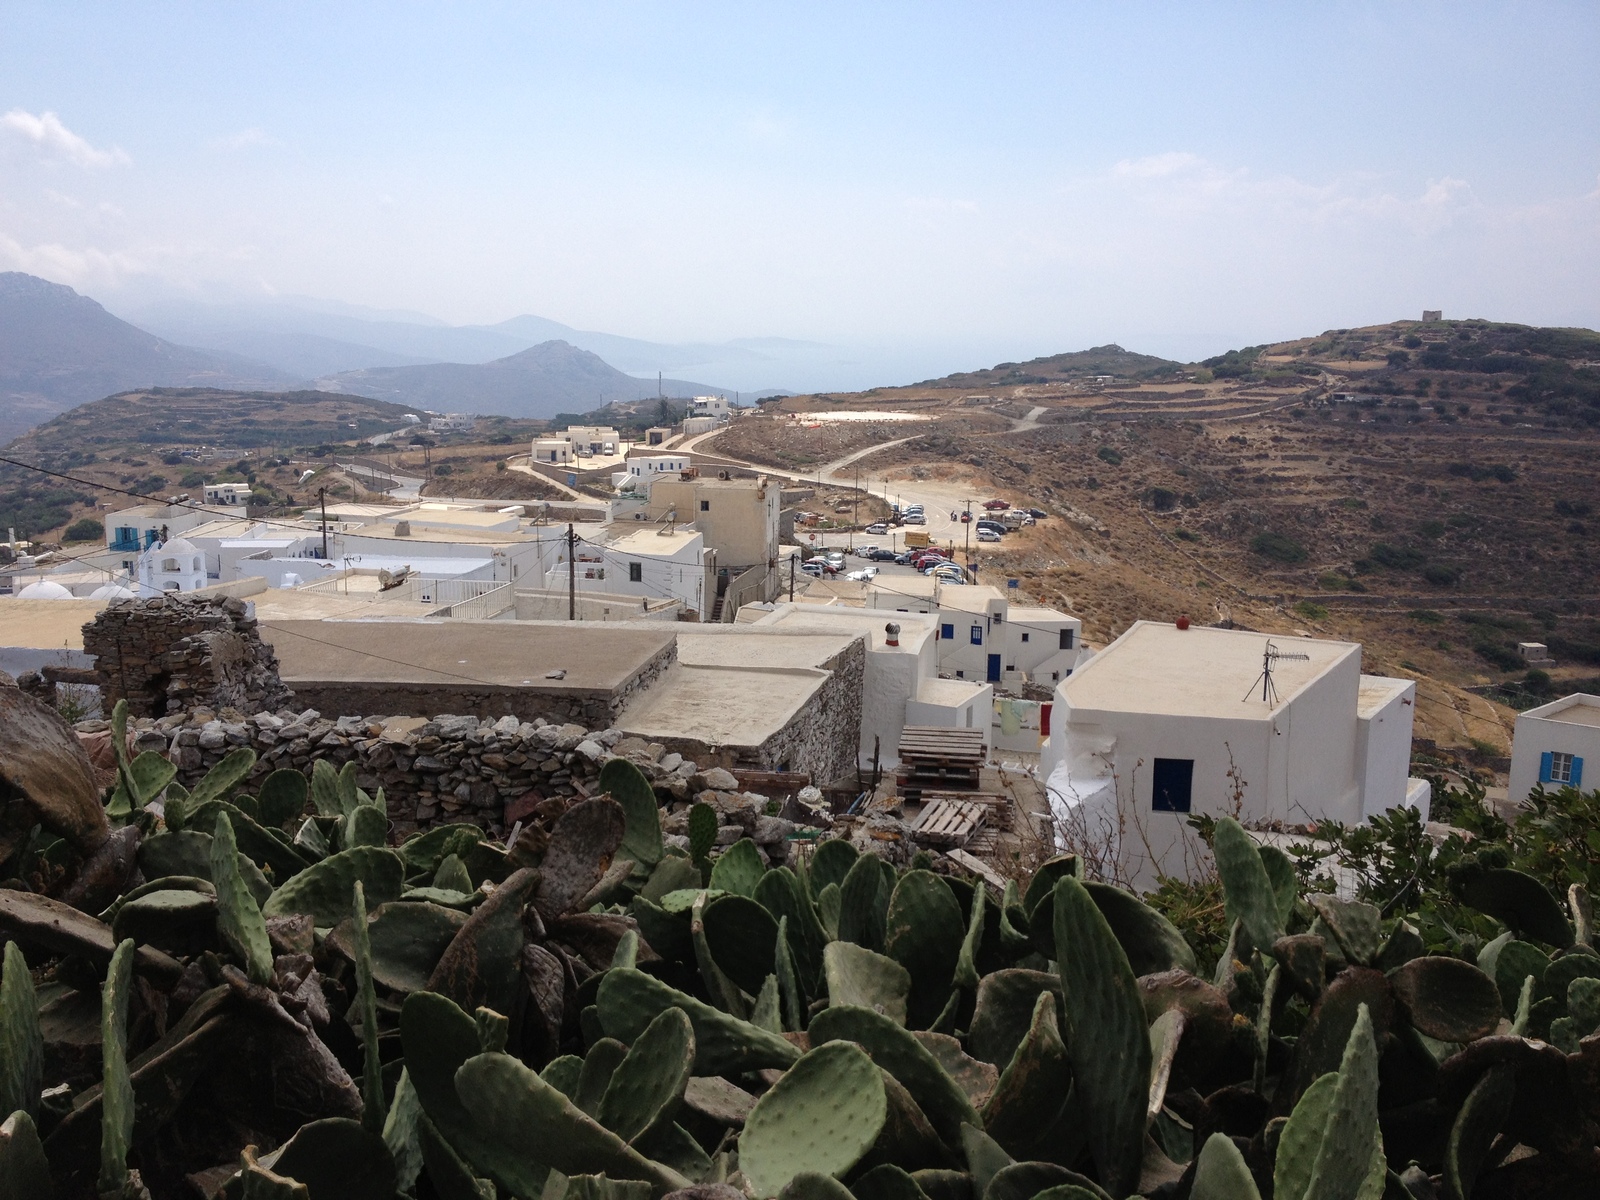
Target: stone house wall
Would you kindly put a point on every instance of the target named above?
(171, 653)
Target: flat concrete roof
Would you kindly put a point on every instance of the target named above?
(918, 587)
(655, 543)
(969, 597)
(1196, 672)
(597, 656)
(46, 624)
(760, 646)
(293, 604)
(1376, 691)
(1580, 708)
(948, 693)
(836, 620)
(720, 706)
(1025, 614)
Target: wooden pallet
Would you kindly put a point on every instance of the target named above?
(935, 757)
(948, 823)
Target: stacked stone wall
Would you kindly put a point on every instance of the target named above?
(171, 653)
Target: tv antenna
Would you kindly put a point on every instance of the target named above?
(1269, 662)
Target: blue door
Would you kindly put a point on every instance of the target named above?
(994, 668)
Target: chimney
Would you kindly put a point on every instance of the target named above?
(891, 633)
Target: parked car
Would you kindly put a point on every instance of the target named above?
(996, 504)
(882, 555)
(907, 557)
(991, 526)
(877, 527)
(1038, 514)
(862, 575)
(823, 564)
(926, 559)
(836, 557)
(948, 573)
(864, 550)
(966, 517)
(916, 519)
(815, 570)
(988, 535)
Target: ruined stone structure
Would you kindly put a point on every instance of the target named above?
(172, 653)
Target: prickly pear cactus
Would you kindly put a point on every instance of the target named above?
(823, 1115)
(116, 1105)
(21, 1046)
(239, 920)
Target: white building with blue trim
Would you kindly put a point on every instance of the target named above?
(1551, 743)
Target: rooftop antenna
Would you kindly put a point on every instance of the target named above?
(1269, 661)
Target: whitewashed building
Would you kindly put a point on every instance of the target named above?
(1551, 743)
(662, 564)
(174, 566)
(646, 467)
(1166, 722)
(983, 636)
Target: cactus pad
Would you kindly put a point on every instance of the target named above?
(239, 919)
(863, 903)
(823, 1115)
(1034, 1086)
(483, 963)
(1151, 942)
(647, 1086)
(1004, 1011)
(923, 933)
(1446, 998)
(629, 1000)
(741, 937)
(324, 890)
(1110, 1042)
(904, 1057)
(1247, 889)
(738, 869)
(641, 839)
(857, 976)
(21, 1046)
(520, 1115)
(1221, 1173)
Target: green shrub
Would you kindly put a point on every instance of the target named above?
(1107, 455)
(1396, 558)
(86, 529)
(1161, 499)
(1441, 576)
(1310, 611)
(1498, 655)
(1279, 547)
(1427, 616)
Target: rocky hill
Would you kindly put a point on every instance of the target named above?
(59, 349)
(541, 381)
(1111, 360)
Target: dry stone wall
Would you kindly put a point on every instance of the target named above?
(491, 773)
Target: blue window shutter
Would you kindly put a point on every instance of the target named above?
(1577, 771)
(948, 632)
(1545, 762)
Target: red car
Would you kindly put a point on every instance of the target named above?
(965, 517)
(995, 505)
(928, 560)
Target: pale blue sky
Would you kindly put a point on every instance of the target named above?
(956, 182)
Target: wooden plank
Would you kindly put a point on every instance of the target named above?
(979, 868)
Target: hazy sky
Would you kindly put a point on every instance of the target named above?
(1006, 179)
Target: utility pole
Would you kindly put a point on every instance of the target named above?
(322, 499)
(792, 559)
(572, 574)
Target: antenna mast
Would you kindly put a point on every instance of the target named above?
(1270, 657)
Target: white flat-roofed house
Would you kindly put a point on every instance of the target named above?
(662, 564)
(230, 495)
(1168, 722)
(719, 407)
(648, 466)
(593, 440)
(983, 636)
(1551, 744)
(177, 565)
(552, 450)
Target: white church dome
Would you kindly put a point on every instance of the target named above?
(112, 591)
(44, 590)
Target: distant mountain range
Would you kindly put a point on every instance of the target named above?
(59, 349)
(540, 381)
(313, 340)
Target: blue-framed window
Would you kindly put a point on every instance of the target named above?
(1561, 769)
(977, 635)
(948, 632)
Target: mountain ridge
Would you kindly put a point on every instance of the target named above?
(60, 349)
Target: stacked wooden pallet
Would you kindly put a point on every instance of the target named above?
(948, 823)
(935, 757)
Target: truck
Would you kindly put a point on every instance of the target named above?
(915, 540)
